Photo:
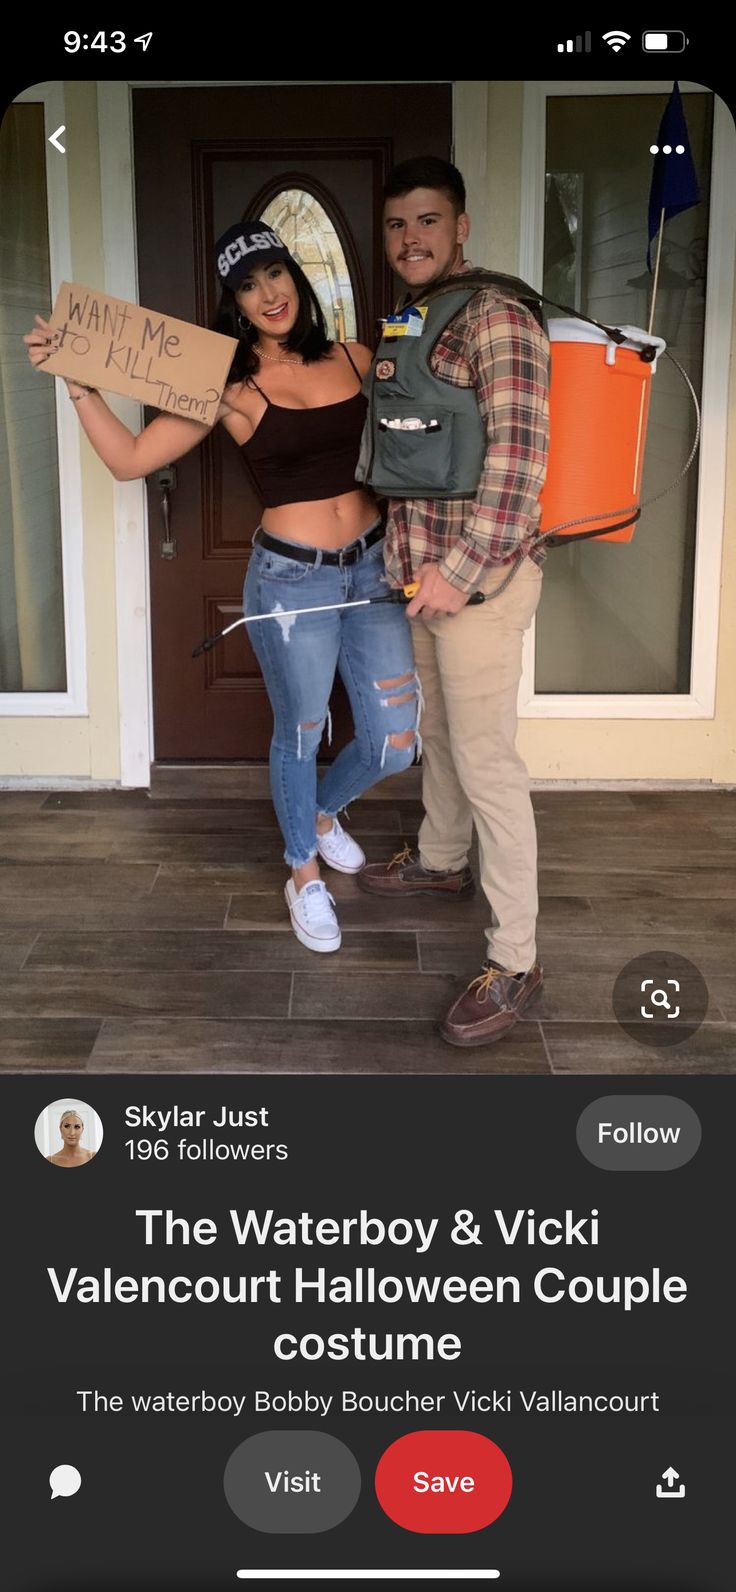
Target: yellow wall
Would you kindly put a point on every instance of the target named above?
(81, 748)
(87, 748)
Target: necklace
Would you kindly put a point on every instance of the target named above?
(277, 359)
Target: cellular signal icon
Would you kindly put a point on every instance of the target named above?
(581, 42)
(616, 39)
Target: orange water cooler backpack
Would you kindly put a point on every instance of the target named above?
(599, 405)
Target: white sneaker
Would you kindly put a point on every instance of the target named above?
(312, 917)
(339, 850)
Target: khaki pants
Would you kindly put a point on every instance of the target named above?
(469, 665)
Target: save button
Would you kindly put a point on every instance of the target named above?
(443, 1482)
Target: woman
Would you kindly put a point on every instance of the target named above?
(71, 1128)
(295, 407)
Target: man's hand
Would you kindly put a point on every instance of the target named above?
(435, 595)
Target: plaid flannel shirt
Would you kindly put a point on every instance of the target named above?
(497, 347)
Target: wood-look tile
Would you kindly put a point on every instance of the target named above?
(411, 814)
(704, 882)
(602, 1048)
(365, 817)
(14, 948)
(390, 996)
(257, 849)
(230, 818)
(616, 827)
(46, 1044)
(311, 1047)
(461, 954)
(176, 782)
(42, 824)
(244, 862)
(264, 879)
(179, 781)
(610, 953)
(573, 803)
(21, 849)
(83, 879)
(637, 855)
(95, 800)
(722, 829)
(723, 994)
(565, 915)
(174, 909)
(660, 915)
(702, 805)
(191, 825)
(600, 953)
(212, 951)
(358, 911)
(166, 941)
(569, 915)
(75, 993)
(396, 788)
(256, 814)
(21, 801)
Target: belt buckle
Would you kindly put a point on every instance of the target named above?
(348, 555)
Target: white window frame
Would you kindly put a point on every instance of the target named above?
(699, 702)
(71, 703)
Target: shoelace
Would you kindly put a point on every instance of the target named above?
(485, 981)
(337, 837)
(400, 858)
(318, 903)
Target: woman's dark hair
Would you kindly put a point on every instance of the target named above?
(307, 337)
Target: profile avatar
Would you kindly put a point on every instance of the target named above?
(71, 1128)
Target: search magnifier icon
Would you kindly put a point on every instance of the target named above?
(659, 997)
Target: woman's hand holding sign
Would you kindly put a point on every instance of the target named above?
(128, 457)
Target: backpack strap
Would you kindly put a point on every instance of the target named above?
(532, 300)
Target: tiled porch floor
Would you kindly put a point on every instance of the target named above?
(149, 934)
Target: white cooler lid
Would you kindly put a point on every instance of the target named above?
(567, 329)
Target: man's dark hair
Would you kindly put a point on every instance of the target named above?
(427, 171)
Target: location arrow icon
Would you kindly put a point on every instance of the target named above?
(54, 139)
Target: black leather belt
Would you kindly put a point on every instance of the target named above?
(309, 555)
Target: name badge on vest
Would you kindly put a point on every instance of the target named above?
(408, 323)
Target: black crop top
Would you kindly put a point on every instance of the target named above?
(301, 455)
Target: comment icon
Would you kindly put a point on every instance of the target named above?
(64, 1481)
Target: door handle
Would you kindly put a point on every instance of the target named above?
(166, 481)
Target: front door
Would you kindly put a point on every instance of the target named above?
(312, 159)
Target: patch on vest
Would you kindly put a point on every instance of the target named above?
(385, 369)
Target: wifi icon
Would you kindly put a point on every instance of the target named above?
(616, 38)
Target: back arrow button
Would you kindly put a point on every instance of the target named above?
(54, 139)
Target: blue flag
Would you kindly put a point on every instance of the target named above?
(674, 179)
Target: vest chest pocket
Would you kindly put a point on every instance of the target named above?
(416, 455)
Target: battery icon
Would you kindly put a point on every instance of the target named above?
(671, 43)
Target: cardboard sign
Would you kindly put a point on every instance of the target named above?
(142, 354)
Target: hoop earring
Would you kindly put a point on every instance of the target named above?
(243, 324)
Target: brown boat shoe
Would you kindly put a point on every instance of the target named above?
(405, 876)
(490, 1006)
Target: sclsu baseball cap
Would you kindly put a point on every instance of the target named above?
(244, 246)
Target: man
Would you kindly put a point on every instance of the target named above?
(490, 364)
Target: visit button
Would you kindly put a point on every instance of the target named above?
(443, 1481)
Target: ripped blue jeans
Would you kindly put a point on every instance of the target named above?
(369, 647)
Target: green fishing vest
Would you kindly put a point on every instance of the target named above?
(442, 456)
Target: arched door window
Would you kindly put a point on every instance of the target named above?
(308, 232)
